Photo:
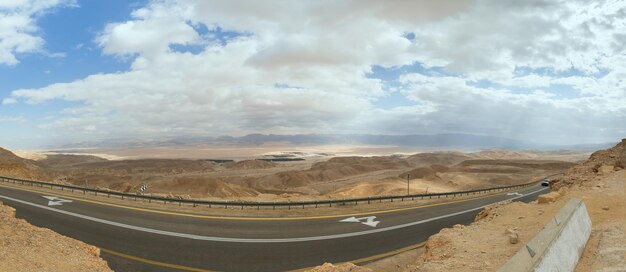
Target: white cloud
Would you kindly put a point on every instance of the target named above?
(13, 119)
(19, 32)
(570, 54)
(8, 101)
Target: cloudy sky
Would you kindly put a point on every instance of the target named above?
(547, 71)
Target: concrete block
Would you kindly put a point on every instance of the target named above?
(558, 246)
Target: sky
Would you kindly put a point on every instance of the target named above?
(545, 71)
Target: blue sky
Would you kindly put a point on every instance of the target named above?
(87, 71)
(69, 54)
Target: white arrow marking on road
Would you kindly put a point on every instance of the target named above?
(368, 220)
(515, 194)
(55, 201)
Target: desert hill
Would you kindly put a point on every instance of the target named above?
(600, 162)
(323, 177)
(443, 158)
(333, 169)
(13, 166)
(250, 164)
(62, 160)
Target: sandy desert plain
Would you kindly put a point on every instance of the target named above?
(318, 172)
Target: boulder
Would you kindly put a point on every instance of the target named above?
(605, 169)
(548, 198)
(514, 238)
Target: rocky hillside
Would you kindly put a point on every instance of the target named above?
(14, 166)
(599, 163)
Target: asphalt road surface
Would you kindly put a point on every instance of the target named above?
(139, 240)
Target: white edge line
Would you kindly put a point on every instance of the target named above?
(255, 240)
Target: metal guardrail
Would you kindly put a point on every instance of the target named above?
(243, 204)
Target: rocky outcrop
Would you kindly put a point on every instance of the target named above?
(548, 198)
(345, 267)
(598, 163)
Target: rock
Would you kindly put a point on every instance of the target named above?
(605, 169)
(458, 226)
(621, 159)
(548, 198)
(514, 238)
(606, 208)
(513, 235)
(328, 267)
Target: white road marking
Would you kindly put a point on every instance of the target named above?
(369, 221)
(515, 194)
(255, 240)
(55, 201)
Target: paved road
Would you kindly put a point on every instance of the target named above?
(135, 240)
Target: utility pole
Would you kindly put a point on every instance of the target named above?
(408, 177)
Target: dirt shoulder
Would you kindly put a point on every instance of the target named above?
(24, 247)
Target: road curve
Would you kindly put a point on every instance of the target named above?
(134, 240)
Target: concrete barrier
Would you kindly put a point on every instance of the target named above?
(558, 246)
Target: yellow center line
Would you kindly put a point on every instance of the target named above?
(249, 218)
(152, 262)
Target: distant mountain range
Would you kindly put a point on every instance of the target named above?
(415, 140)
